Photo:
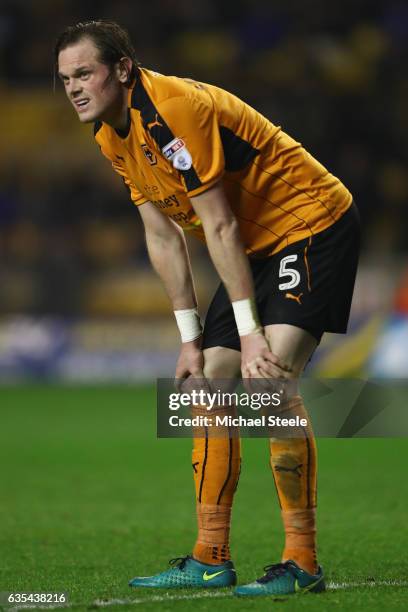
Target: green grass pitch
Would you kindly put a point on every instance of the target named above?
(90, 498)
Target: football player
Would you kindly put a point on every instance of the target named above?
(283, 234)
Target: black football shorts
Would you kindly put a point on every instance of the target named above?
(308, 284)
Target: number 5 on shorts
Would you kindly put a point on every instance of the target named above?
(291, 272)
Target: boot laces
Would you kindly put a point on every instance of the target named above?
(179, 562)
(274, 571)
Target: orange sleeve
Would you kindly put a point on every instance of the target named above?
(194, 122)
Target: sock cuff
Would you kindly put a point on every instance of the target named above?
(299, 521)
(213, 523)
(211, 510)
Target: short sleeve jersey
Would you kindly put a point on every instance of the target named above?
(183, 137)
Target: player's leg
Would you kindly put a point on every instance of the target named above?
(293, 463)
(322, 279)
(303, 291)
(216, 461)
(294, 459)
(216, 465)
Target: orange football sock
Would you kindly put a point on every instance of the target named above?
(300, 538)
(216, 463)
(293, 462)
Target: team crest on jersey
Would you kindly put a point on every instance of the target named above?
(151, 158)
(177, 152)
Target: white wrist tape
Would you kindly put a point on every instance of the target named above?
(246, 316)
(189, 324)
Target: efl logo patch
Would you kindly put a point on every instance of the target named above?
(151, 158)
(171, 149)
(177, 152)
(182, 160)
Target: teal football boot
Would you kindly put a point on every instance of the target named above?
(284, 579)
(189, 573)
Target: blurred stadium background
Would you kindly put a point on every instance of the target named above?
(89, 495)
(78, 300)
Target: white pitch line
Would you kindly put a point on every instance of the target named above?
(207, 594)
(155, 598)
(372, 583)
(100, 603)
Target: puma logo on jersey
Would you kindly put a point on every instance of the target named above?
(290, 296)
(155, 122)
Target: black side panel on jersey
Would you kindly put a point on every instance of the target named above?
(238, 153)
(158, 129)
(97, 127)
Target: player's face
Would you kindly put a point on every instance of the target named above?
(94, 90)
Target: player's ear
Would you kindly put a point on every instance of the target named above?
(124, 69)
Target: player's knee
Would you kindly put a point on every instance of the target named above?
(284, 371)
(221, 363)
(283, 379)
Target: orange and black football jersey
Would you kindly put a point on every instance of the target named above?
(184, 137)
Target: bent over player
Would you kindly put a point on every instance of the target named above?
(283, 235)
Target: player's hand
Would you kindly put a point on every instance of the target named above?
(190, 362)
(257, 360)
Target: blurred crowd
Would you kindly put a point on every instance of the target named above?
(332, 74)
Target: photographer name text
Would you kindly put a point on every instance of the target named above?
(238, 421)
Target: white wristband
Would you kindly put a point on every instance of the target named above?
(189, 324)
(246, 316)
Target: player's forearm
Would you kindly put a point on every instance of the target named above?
(170, 260)
(230, 260)
(228, 255)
